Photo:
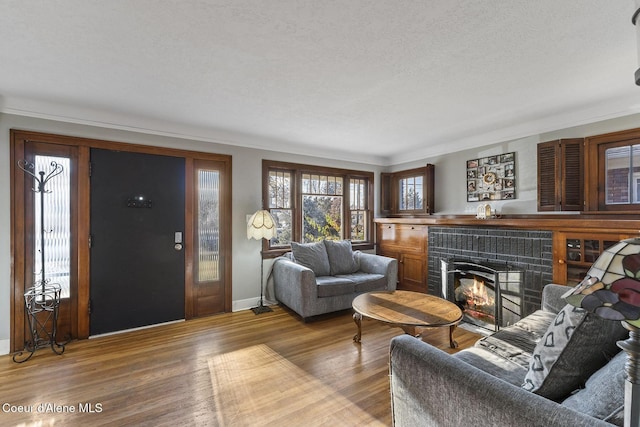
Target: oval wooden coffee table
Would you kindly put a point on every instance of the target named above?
(407, 310)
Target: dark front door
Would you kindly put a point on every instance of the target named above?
(137, 222)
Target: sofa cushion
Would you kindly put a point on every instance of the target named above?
(574, 346)
(493, 364)
(366, 282)
(313, 256)
(331, 286)
(517, 342)
(603, 394)
(341, 260)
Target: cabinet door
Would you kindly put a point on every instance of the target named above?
(408, 244)
(412, 273)
(412, 237)
(576, 252)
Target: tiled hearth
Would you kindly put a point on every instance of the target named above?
(526, 250)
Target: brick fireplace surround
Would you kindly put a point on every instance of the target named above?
(527, 250)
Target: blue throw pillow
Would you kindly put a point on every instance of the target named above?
(313, 256)
(341, 260)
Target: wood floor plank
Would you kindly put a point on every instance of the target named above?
(161, 376)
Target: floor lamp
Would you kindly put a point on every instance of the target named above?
(260, 226)
(611, 290)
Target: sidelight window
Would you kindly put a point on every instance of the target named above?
(208, 232)
(57, 225)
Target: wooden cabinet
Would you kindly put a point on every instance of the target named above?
(560, 175)
(408, 244)
(574, 253)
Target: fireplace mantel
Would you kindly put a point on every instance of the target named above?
(595, 222)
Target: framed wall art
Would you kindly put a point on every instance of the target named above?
(491, 178)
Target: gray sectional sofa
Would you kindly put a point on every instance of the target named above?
(323, 277)
(559, 366)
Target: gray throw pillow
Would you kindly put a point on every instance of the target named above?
(313, 256)
(341, 260)
(603, 394)
(575, 345)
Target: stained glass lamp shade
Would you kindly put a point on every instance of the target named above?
(260, 226)
(611, 290)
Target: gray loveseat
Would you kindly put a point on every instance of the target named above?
(528, 374)
(322, 277)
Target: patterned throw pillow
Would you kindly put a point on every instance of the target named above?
(574, 346)
(341, 258)
(313, 256)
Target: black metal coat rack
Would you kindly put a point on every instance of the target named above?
(42, 300)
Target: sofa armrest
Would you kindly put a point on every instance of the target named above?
(430, 387)
(378, 264)
(294, 284)
(552, 297)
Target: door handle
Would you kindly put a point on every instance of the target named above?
(177, 240)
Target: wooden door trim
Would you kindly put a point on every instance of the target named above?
(84, 145)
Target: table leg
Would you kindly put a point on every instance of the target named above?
(357, 317)
(452, 342)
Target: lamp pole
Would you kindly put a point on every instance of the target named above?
(632, 382)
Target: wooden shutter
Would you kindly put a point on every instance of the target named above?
(548, 176)
(429, 188)
(572, 186)
(386, 198)
(560, 175)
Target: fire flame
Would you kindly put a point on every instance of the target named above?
(477, 295)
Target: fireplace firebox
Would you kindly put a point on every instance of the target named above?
(490, 295)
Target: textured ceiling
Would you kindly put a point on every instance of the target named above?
(382, 81)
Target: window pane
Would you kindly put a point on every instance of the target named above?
(635, 179)
(354, 188)
(279, 189)
(357, 205)
(358, 226)
(322, 218)
(208, 226)
(410, 196)
(57, 225)
(418, 193)
(283, 227)
(618, 161)
(280, 205)
(306, 183)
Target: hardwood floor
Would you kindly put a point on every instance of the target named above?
(161, 375)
